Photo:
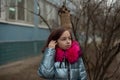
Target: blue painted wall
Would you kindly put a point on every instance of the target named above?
(10, 32)
(18, 42)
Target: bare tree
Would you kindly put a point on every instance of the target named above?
(99, 21)
(98, 24)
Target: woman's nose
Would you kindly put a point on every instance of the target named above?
(68, 41)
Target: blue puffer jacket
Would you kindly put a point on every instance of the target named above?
(51, 70)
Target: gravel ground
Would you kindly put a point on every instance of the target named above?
(21, 70)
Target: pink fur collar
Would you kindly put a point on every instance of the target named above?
(72, 54)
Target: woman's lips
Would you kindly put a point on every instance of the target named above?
(68, 46)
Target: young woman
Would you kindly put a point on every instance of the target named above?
(62, 58)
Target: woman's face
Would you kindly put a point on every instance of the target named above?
(65, 40)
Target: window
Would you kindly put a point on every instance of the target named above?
(0, 8)
(19, 10)
(48, 12)
(29, 15)
(42, 11)
(12, 9)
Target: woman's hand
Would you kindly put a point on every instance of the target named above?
(52, 44)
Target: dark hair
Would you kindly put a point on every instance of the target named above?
(55, 35)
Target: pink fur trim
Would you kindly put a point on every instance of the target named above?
(72, 54)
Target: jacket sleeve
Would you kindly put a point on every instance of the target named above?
(82, 71)
(46, 68)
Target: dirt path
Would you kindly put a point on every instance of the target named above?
(27, 70)
(21, 70)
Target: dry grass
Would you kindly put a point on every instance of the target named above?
(27, 70)
(21, 70)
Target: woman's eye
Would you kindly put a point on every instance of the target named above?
(70, 38)
(63, 39)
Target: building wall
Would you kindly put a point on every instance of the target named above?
(22, 33)
(11, 32)
(18, 42)
(22, 38)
